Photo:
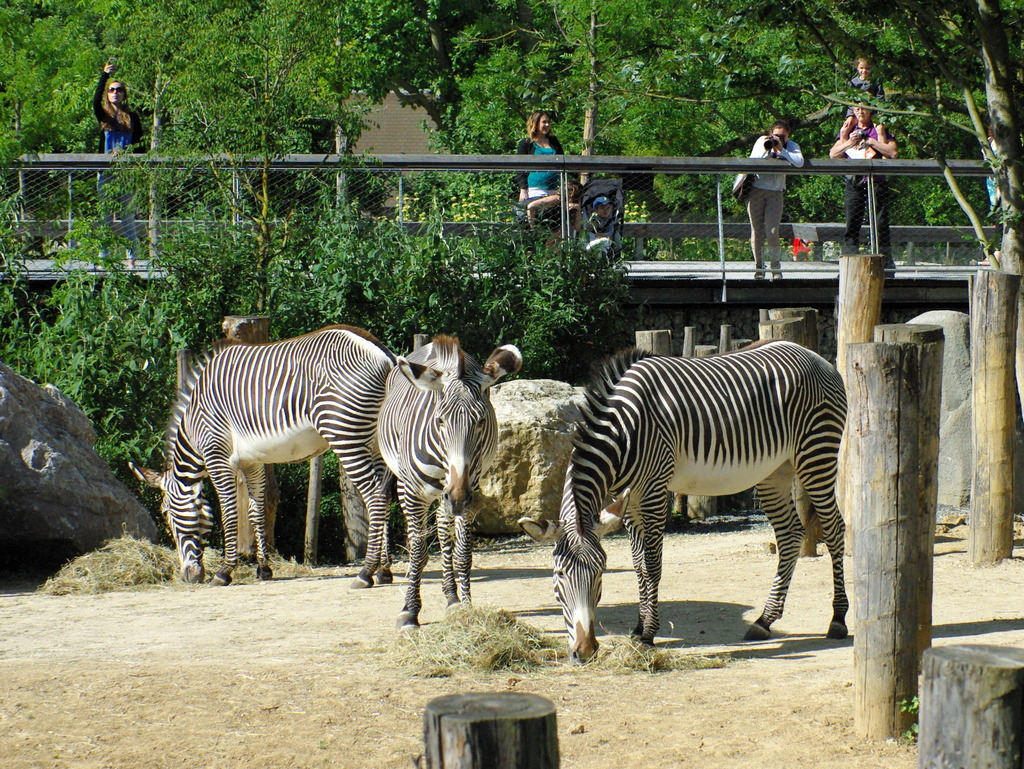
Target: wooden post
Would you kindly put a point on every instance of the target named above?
(725, 338)
(183, 362)
(794, 326)
(689, 341)
(861, 279)
(972, 708)
(420, 340)
(655, 342)
(994, 415)
(699, 507)
(490, 730)
(253, 329)
(808, 327)
(894, 400)
(313, 494)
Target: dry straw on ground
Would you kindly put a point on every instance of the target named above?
(128, 563)
(472, 638)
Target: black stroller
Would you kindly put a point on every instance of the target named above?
(602, 207)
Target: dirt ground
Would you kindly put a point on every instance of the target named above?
(293, 672)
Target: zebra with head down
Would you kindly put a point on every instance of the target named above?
(762, 416)
(249, 405)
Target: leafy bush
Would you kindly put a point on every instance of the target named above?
(108, 339)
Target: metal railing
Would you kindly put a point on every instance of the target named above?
(675, 208)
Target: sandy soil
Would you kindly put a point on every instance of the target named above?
(291, 673)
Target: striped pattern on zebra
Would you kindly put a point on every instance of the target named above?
(249, 405)
(438, 434)
(762, 416)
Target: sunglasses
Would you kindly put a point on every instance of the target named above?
(118, 89)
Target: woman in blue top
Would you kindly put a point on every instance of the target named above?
(538, 189)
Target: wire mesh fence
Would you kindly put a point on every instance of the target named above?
(678, 211)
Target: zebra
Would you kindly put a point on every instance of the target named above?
(438, 434)
(762, 416)
(249, 405)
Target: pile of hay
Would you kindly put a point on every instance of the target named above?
(627, 655)
(127, 563)
(473, 638)
(121, 563)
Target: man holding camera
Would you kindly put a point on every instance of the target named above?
(867, 140)
(764, 206)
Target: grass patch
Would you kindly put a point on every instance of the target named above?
(473, 638)
(128, 563)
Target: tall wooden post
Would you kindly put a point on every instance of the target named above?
(689, 341)
(861, 280)
(994, 415)
(311, 543)
(972, 708)
(420, 340)
(253, 329)
(490, 730)
(892, 464)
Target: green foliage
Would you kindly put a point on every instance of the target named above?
(912, 706)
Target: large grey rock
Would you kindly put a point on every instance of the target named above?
(57, 496)
(535, 423)
(955, 448)
(956, 457)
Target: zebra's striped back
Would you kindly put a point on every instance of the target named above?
(248, 405)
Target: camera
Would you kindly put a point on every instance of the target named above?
(771, 142)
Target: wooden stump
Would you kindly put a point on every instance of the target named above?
(313, 496)
(894, 401)
(655, 342)
(253, 329)
(972, 708)
(994, 415)
(490, 730)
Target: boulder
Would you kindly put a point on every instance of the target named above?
(535, 423)
(956, 459)
(58, 497)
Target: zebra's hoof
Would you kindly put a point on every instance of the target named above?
(385, 578)
(837, 630)
(264, 572)
(221, 578)
(757, 632)
(361, 582)
(645, 642)
(407, 621)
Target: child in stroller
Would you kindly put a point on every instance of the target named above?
(602, 210)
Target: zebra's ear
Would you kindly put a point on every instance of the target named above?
(610, 519)
(541, 530)
(422, 377)
(503, 361)
(152, 477)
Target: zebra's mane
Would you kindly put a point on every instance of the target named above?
(593, 415)
(449, 356)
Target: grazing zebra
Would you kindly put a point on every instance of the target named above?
(249, 405)
(438, 433)
(761, 416)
